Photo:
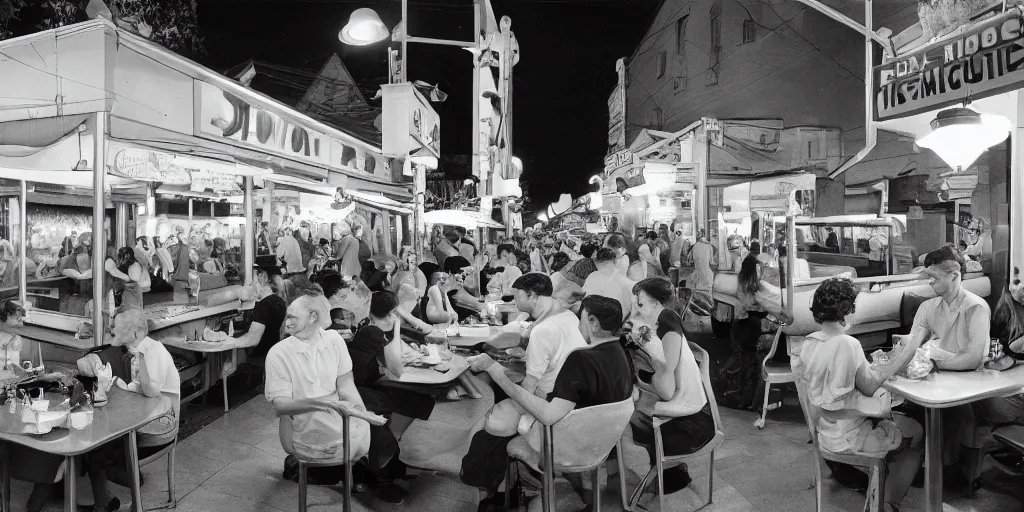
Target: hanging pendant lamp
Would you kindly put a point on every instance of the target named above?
(960, 135)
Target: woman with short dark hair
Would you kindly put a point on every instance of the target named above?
(669, 380)
(842, 390)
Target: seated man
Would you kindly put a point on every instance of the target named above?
(310, 383)
(608, 282)
(268, 314)
(600, 373)
(154, 375)
(956, 321)
(554, 334)
(465, 304)
(501, 283)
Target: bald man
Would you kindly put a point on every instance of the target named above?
(310, 383)
(154, 375)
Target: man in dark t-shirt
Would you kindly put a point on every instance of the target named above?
(268, 314)
(598, 374)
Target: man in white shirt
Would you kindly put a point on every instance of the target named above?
(154, 375)
(291, 254)
(501, 283)
(554, 334)
(608, 282)
(309, 380)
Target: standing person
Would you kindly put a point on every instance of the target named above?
(664, 243)
(838, 379)
(958, 322)
(166, 263)
(702, 254)
(756, 299)
(153, 375)
(408, 282)
(268, 314)
(606, 281)
(290, 253)
(304, 238)
(500, 284)
(878, 246)
(679, 248)
(617, 243)
(538, 262)
(650, 253)
(670, 383)
(321, 256)
(138, 280)
(365, 253)
(263, 239)
(347, 250)
(737, 251)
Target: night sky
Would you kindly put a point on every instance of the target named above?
(561, 84)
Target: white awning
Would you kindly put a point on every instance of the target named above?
(379, 201)
(67, 178)
(291, 181)
(468, 220)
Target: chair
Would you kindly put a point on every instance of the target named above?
(285, 431)
(773, 373)
(662, 461)
(586, 439)
(168, 452)
(876, 465)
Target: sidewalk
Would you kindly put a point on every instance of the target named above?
(234, 465)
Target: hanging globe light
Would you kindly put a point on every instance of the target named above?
(960, 135)
(364, 27)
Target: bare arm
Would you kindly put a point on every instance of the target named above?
(418, 325)
(545, 412)
(664, 380)
(347, 391)
(435, 308)
(294, 406)
(393, 353)
(970, 352)
(111, 269)
(253, 336)
(869, 379)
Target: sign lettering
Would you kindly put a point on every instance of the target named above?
(981, 63)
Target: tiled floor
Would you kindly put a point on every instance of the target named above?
(235, 463)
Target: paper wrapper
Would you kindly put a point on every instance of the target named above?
(920, 366)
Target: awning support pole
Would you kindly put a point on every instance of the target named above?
(23, 244)
(99, 242)
(248, 235)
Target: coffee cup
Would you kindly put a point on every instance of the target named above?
(80, 419)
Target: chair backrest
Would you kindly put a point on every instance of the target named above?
(704, 361)
(584, 437)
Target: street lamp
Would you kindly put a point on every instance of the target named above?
(960, 135)
(364, 27)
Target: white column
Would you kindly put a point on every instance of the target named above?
(99, 243)
(121, 228)
(23, 243)
(248, 233)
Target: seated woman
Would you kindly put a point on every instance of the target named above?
(42, 469)
(375, 278)
(842, 391)
(669, 381)
(408, 282)
(463, 302)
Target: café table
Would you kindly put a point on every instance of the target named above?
(124, 413)
(944, 389)
(220, 360)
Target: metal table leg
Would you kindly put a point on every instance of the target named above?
(132, 456)
(467, 382)
(933, 460)
(70, 486)
(5, 460)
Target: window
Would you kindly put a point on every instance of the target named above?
(749, 31)
(656, 120)
(370, 164)
(681, 35)
(662, 63)
(716, 44)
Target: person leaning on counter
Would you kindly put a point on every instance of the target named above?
(958, 321)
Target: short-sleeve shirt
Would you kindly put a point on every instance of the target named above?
(551, 341)
(269, 312)
(297, 369)
(612, 285)
(595, 376)
(367, 352)
(964, 323)
(161, 370)
(689, 394)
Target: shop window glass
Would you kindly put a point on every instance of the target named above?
(10, 242)
(370, 164)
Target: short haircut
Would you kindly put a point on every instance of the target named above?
(330, 282)
(604, 255)
(558, 261)
(658, 288)
(502, 248)
(947, 259)
(834, 300)
(453, 237)
(588, 249)
(615, 241)
(132, 317)
(455, 264)
(9, 308)
(652, 235)
(755, 247)
(535, 282)
(141, 239)
(382, 303)
(607, 311)
(313, 300)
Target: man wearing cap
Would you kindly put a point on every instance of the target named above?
(268, 314)
(956, 321)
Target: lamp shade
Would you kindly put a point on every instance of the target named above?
(364, 27)
(960, 135)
